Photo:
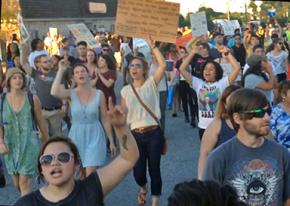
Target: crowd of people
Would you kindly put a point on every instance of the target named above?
(60, 117)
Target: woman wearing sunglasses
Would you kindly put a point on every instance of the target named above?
(211, 86)
(144, 126)
(88, 109)
(219, 131)
(278, 59)
(59, 162)
(280, 117)
(19, 141)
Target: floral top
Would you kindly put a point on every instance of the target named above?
(280, 127)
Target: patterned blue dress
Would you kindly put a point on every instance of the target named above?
(87, 132)
(280, 126)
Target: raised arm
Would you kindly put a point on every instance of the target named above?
(24, 53)
(112, 174)
(209, 140)
(183, 67)
(57, 89)
(40, 120)
(107, 125)
(232, 60)
(161, 65)
(269, 84)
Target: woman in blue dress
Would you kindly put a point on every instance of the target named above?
(88, 110)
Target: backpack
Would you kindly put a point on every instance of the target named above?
(31, 102)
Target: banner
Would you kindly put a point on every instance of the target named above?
(198, 24)
(183, 40)
(23, 31)
(148, 17)
(82, 33)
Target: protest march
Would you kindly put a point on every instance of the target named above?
(103, 102)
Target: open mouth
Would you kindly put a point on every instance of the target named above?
(56, 173)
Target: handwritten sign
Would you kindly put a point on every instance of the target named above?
(140, 18)
(23, 31)
(198, 23)
(82, 33)
(229, 26)
(143, 47)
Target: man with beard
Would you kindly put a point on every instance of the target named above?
(259, 169)
(52, 108)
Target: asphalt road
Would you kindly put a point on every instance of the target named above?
(179, 164)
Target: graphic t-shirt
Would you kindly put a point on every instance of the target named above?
(86, 192)
(208, 95)
(261, 176)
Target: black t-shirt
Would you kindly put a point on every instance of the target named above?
(86, 192)
(240, 54)
(196, 64)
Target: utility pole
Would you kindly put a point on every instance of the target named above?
(228, 9)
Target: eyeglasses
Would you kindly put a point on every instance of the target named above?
(63, 157)
(258, 113)
(137, 66)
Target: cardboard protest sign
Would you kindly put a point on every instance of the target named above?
(82, 33)
(148, 17)
(23, 31)
(198, 23)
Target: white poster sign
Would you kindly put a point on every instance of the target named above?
(143, 47)
(198, 23)
(82, 33)
(23, 31)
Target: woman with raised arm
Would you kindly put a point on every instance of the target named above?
(59, 162)
(219, 131)
(86, 104)
(210, 87)
(144, 126)
(19, 141)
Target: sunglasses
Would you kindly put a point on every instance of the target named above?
(137, 66)
(63, 157)
(258, 113)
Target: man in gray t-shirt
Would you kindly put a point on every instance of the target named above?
(259, 169)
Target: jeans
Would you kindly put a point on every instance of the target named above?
(150, 146)
(163, 98)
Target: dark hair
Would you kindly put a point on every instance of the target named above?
(79, 65)
(34, 43)
(143, 62)
(284, 86)
(9, 54)
(105, 45)
(203, 193)
(64, 40)
(96, 56)
(109, 60)
(182, 47)
(237, 35)
(257, 70)
(64, 140)
(245, 99)
(205, 45)
(258, 46)
(218, 69)
(221, 111)
(23, 85)
(83, 43)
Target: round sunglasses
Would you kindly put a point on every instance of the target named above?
(63, 157)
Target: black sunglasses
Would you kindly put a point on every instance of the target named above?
(258, 113)
(63, 157)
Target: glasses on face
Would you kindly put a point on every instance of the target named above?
(258, 113)
(63, 157)
(137, 66)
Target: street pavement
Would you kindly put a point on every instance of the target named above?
(178, 165)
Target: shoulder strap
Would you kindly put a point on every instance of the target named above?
(1, 105)
(144, 105)
(31, 102)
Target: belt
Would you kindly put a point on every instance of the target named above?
(142, 130)
(51, 108)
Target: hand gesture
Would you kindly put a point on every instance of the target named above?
(63, 65)
(223, 50)
(3, 149)
(117, 114)
(112, 149)
(150, 41)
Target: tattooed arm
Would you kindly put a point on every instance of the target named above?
(111, 175)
